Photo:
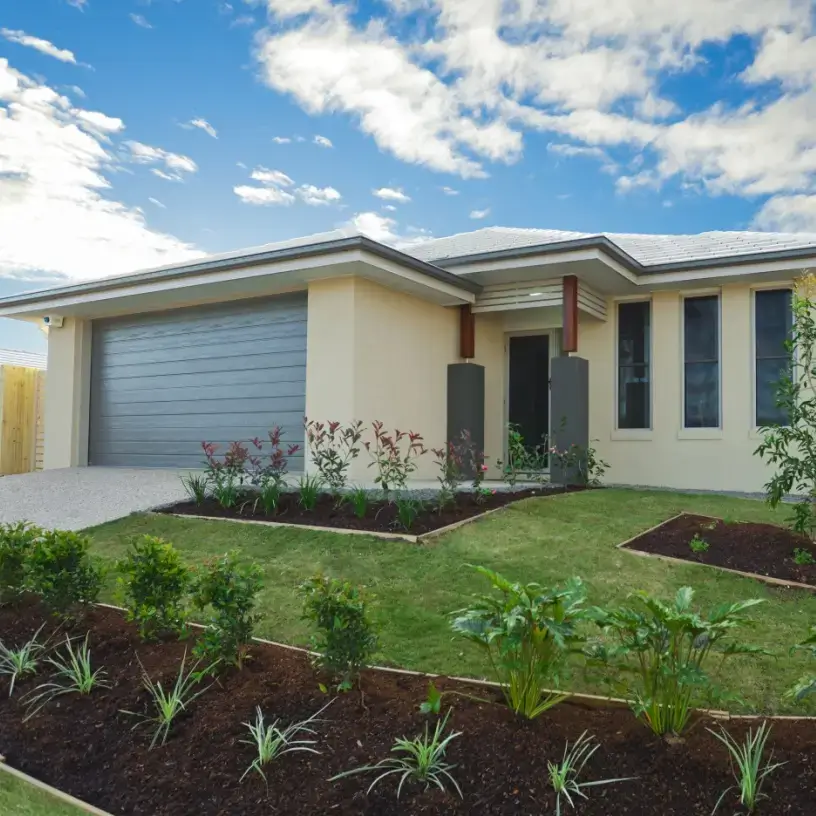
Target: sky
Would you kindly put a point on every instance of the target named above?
(135, 133)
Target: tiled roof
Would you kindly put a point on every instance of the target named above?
(29, 359)
(648, 250)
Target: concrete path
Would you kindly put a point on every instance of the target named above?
(74, 498)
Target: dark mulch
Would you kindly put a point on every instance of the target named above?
(759, 548)
(380, 517)
(87, 747)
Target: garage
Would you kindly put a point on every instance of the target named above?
(161, 383)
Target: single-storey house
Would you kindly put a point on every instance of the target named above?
(662, 349)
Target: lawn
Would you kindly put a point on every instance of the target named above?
(18, 798)
(544, 540)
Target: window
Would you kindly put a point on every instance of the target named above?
(634, 344)
(772, 323)
(701, 361)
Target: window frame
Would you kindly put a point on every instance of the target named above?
(650, 366)
(770, 287)
(704, 429)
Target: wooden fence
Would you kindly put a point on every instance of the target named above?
(22, 393)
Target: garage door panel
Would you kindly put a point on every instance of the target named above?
(161, 384)
(204, 337)
(238, 391)
(249, 362)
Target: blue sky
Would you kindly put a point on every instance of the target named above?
(139, 132)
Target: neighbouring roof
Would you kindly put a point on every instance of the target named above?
(646, 250)
(29, 359)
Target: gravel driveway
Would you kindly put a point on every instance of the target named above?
(73, 498)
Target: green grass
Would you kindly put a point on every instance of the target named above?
(544, 540)
(17, 798)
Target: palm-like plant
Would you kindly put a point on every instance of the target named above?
(525, 630)
(667, 646)
(18, 663)
(807, 684)
(272, 741)
(564, 775)
(74, 675)
(421, 759)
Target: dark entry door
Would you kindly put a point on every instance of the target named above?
(529, 391)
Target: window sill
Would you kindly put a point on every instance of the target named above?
(631, 435)
(700, 433)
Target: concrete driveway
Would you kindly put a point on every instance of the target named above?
(73, 498)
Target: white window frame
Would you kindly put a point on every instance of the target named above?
(716, 430)
(765, 287)
(624, 433)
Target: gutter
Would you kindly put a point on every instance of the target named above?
(359, 242)
(601, 242)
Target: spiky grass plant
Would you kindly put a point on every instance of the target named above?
(74, 675)
(21, 662)
(564, 774)
(746, 765)
(272, 741)
(421, 759)
(168, 705)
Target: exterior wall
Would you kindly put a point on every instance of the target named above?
(67, 395)
(669, 455)
(373, 353)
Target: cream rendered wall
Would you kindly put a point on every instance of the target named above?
(374, 353)
(67, 395)
(669, 455)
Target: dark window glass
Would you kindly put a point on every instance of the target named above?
(634, 343)
(701, 357)
(772, 324)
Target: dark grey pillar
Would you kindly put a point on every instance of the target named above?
(569, 413)
(466, 404)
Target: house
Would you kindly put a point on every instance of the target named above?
(663, 349)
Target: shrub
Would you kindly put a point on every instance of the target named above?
(451, 464)
(226, 490)
(698, 545)
(359, 501)
(153, 584)
(345, 635)
(62, 572)
(803, 557)
(230, 589)
(807, 684)
(18, 663)
(197, 486)
(407, 511)
(520, 460)
(332, 449)
(16, 541)
(666, 648)
(394, 456)
(309, 488)
(526, 631)
(790, 446)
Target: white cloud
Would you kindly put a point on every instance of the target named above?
(201, 124)
(157, 203)
(391, 194)
(175, 164)
(281, 139)
(80, 4)
(242, 20)
(263, 195)
(76, 91)
(377, 227)
(477, 215)
(58, 214)
(389, 207)
(99, 122)
(570, 150)
(459, 81)
(140, 20)
(449, 191)
(322, 141)
(788, 214)
(38, 44)
(275, 177)
(316, 196)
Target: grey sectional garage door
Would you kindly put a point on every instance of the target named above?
(163, 383)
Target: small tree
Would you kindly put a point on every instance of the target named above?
(791, 447)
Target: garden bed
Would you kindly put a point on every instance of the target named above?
(759, 549)
(87, 747)
(381, 516)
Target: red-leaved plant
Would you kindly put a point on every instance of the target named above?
(332, 449)
(394, 456)
(449, 460)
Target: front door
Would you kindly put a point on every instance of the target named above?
(529, 388)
